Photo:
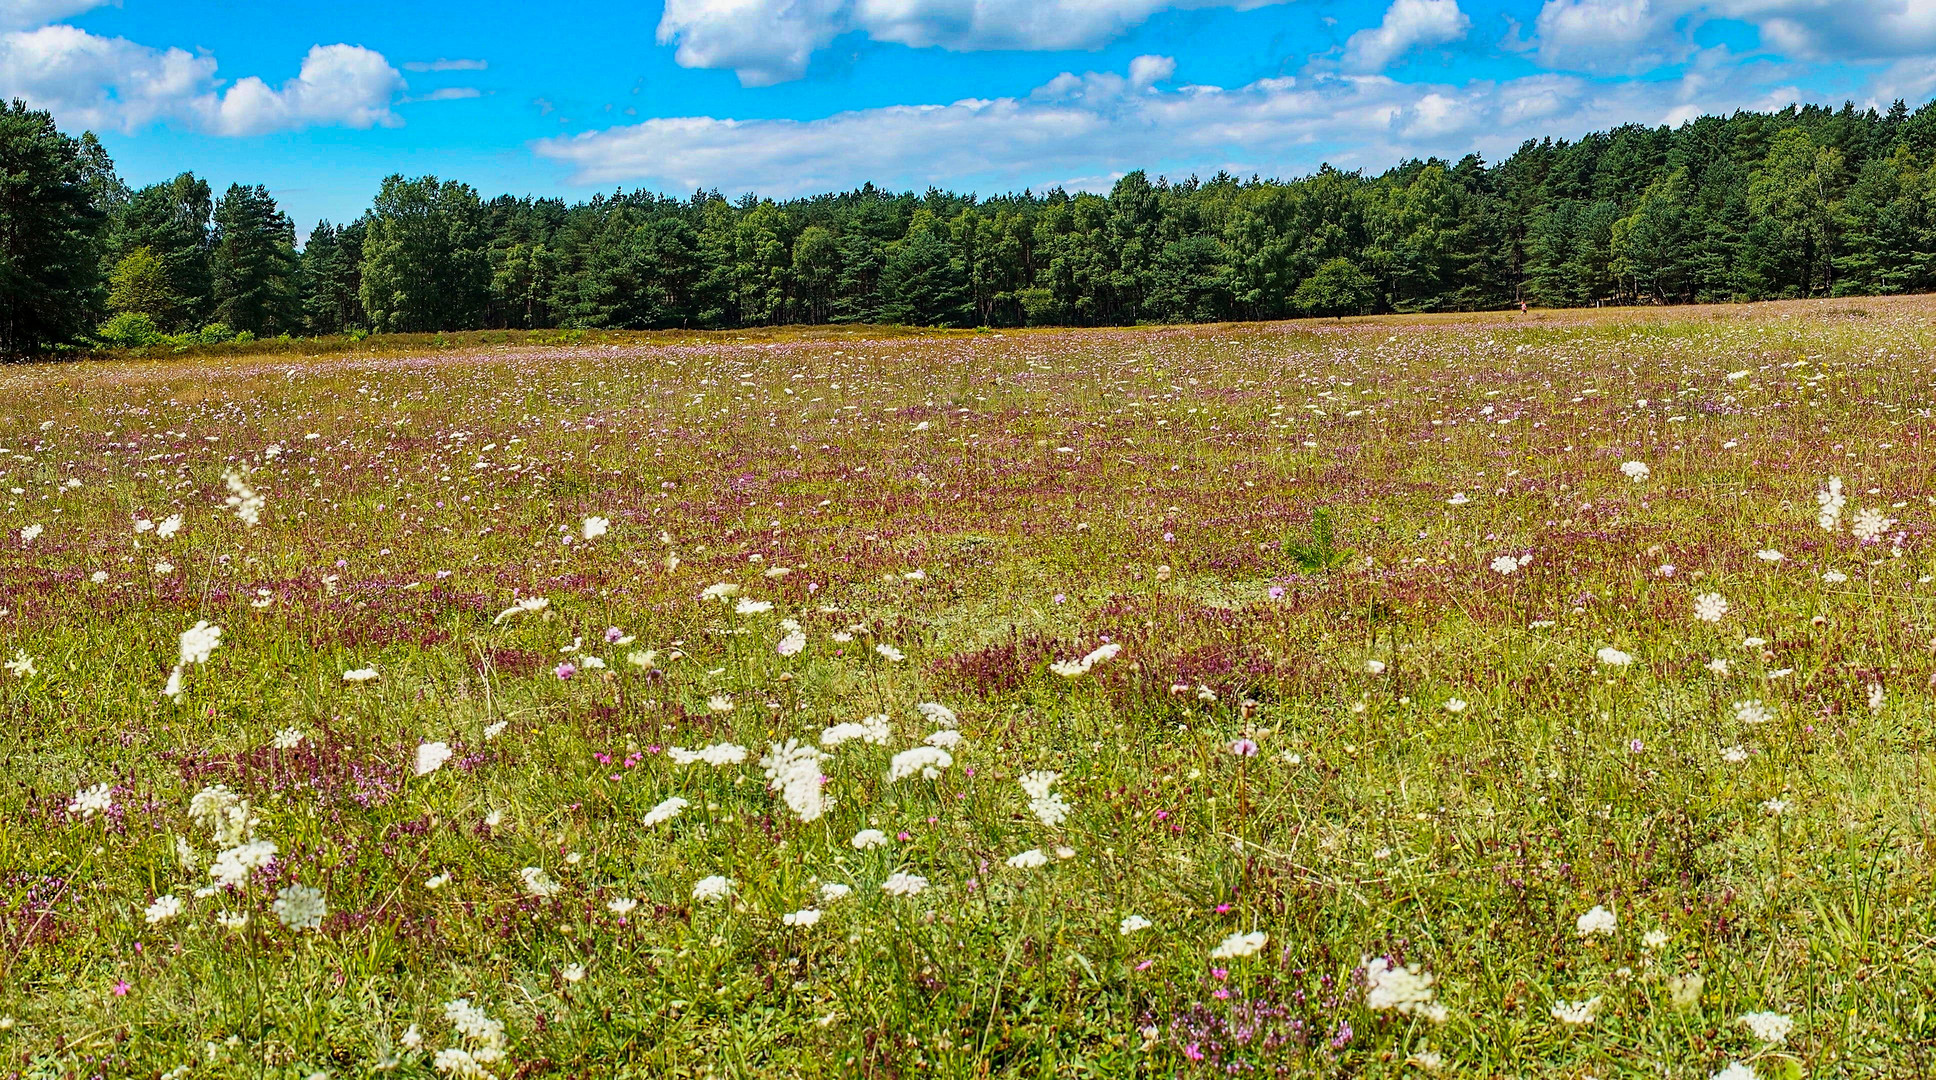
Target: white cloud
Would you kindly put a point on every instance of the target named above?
(104, 83)
(441, 64)
(26, 14)
(1839, 29)
(1407, 25)
(1628, 36)
(769, 41)
(339, 85)
(1099, 124)
(1611, 36)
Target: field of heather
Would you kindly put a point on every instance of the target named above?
(1509, 696)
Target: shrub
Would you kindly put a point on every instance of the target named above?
(129, 330)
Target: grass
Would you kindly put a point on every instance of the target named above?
(1258, 516)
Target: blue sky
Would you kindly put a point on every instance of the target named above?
(320, 101)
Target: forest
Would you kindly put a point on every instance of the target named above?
(1807, 201)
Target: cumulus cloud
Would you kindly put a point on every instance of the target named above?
(770, 41)
(1407, 25)
(25, 14)
(340, 85)
(1840, 29)
(1612, 36)
(111, 83)
(1628, 36)
(1098, 124)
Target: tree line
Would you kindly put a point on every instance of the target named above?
(1807, 201)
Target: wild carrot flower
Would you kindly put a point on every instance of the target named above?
(431, 757)
(1710, 607)
(1636, 470)
(1576, 1013)
(1032, 859)
(1870, 525)
(90, 801)
(900, 884)
(595, 527)
(868, 838)
(1597, 921)
(163, 909)
(1237, 946)
(1830, 500)
(243, 499)
(664, 812)
(927, 762)
(538, 883)
(1402, 989)
(1770, 1027)
(710, 889)
(1072, 668)
(793, 770)
(1131, 924)
(300, 907)
(22, 665)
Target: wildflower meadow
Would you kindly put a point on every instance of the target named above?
(1517, 696)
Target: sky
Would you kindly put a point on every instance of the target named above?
(790, 97)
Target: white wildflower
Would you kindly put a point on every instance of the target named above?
(927, 762)
(431, 757)
(1576, 1013)
(717, 755)
(89, 801)
(665, 811)
(710, 889)
(1830, 500)
(900, 884)
(1710, 607)
(1597, 921)
(1032, 859)
(529, 605)
(1871, 524)
(1402, 989)
(938, 714)
(231, 868)
(1237, 946)
(1770, 1027)
(793, 770)
(300, 907)
(1048, 806)
(163, 909)
(243, 499)
(538, 883)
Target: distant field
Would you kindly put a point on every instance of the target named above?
(1499, 695)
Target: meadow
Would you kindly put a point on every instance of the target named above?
(1475, 696)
